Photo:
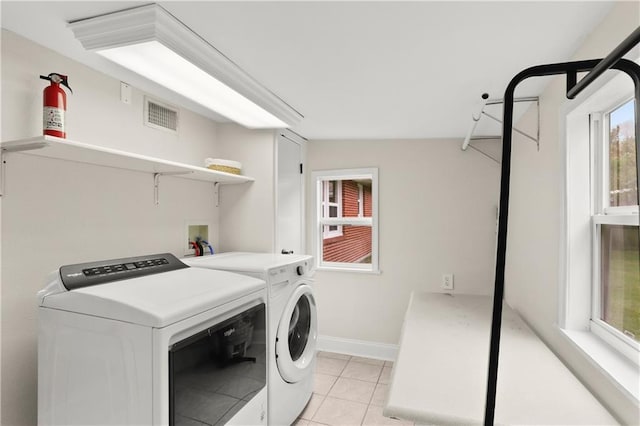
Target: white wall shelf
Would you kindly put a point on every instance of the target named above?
(65, 149)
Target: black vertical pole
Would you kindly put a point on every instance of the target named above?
(501, 254)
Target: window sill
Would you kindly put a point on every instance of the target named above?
(613, 364)
(357, 271)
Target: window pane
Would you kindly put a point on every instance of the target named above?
(332, 191)
(333, 211)
(354, 246)
(620, 284)
(622, 157)
(351, 198)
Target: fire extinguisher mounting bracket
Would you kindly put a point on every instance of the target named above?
(58, 78)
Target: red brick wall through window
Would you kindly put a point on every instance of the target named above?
(354, 245)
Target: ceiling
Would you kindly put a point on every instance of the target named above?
(356, 70)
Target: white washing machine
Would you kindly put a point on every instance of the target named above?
(293, 329)
(151, 341)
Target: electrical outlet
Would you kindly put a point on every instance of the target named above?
(447, 282)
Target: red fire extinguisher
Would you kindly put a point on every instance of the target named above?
(55, 105)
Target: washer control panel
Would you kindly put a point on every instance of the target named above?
(93, 273)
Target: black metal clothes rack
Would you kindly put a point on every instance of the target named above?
(571, 69)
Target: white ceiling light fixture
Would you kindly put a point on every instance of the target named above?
(153, 43)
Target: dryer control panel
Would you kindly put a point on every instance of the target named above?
(92, 273)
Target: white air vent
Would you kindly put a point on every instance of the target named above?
(160, 116)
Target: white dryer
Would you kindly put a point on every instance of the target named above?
(292, 318)
(151, 341)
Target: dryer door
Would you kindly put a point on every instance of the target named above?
(297, 335)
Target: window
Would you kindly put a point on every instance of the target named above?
(600, 293)
(346, 235)
(616, 278)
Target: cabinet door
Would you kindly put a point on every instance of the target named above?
(290, 194)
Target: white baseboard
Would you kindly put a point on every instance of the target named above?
(385, 351)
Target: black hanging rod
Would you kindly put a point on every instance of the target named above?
(607, 63)
(595, 67)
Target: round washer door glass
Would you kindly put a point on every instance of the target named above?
(297, 335)
(299, 327)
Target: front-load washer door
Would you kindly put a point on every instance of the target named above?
(297, 335)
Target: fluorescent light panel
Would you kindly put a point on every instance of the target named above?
(153, 43)
(162, 65)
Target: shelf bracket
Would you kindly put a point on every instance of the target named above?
(482, 138)
(156, 183)
(18, 147)
(482, 112)
(2, 176)
(216, 192)
(515, 129)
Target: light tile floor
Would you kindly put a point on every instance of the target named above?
(349, 390)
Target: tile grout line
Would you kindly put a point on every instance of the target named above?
(340, 375)
(324, 397)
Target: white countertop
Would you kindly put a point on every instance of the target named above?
(440, 374)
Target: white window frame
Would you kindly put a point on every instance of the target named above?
(584, 212)
(326, 208)
(604, 214)
(320, 222)
(360, 200)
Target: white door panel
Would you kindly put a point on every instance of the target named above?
(289, 221)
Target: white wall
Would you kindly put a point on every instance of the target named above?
(95, 114)
(57, 212)
(437, 214)
(248, 211)
(533, 248)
